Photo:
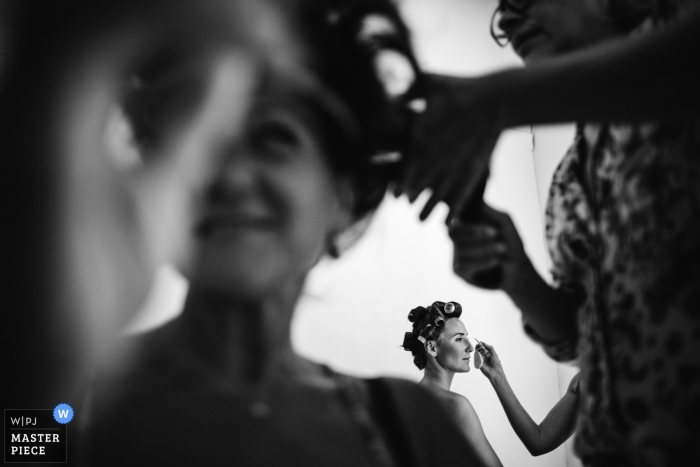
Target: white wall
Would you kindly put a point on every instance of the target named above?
(353, 313)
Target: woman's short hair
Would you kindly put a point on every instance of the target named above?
(428, 324)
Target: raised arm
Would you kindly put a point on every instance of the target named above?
(556, 427)
(650, 76)
(646, 76)
(468, 420)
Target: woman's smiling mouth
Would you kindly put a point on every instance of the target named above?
(233, 223)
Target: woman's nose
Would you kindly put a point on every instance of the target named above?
(236, 175)
(470, 347)
(509, 21)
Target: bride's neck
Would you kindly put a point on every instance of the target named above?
(436, 376)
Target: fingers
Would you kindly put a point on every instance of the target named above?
(429, 206)
(470, 270)
(477, 248)
(476, 242)
(450, 144)
(479, 256)
(486, 355)
(487, 253)
(489, 349)
(463, 233)
(501, 219)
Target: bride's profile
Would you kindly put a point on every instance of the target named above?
(441, 348)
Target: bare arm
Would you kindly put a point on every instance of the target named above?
(556, 427)
(468, 420)
(649, 76)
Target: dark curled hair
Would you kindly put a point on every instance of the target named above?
(428, 323)
(345, 59)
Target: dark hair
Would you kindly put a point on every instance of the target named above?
(348, 39)
(428, 324)
(343, 55)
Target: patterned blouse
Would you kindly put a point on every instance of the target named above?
(623, 231)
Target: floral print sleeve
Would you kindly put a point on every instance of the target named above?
(623, 232)
(565, 220)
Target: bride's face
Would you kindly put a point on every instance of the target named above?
(453, 347)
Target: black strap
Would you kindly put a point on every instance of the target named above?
(389, 419)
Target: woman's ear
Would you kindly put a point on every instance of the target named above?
(344, 228)
(431, 348)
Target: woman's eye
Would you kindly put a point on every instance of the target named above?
(274, 138)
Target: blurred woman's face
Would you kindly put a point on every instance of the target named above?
(266, 211)
(547, 28)
(453, 347)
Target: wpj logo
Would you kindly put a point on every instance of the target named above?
(37, 435)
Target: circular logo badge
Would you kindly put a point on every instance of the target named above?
(63, 413)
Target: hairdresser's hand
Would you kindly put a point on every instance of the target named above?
(492, 363)
(493, 242)
(452, 142)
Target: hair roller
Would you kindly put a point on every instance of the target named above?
(439, 322)
(453, 309)
(409, 341)
(416, 314)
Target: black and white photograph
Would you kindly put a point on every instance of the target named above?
(378, 233)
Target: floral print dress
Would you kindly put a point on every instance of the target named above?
(623, 232)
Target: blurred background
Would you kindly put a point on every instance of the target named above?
(353, 314)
